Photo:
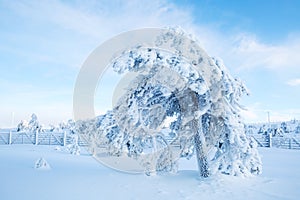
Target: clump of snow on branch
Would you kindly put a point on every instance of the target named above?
(179, 105)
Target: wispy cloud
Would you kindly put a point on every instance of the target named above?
(294, 82)
(253, 53)
(66, 32)
(103, 18)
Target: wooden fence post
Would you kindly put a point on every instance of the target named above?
(65, 138)
(10, 137)
(270, 140)
(290, 143)
(36, 137)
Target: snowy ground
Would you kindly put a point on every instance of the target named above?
(82, 177)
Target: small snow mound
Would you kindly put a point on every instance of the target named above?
(57, 148)
(42, 164)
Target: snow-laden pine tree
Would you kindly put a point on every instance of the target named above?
(179, 104)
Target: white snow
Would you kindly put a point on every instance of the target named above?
(82, 177)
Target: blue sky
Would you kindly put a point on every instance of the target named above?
(44, 43)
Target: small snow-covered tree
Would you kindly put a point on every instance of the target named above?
(22, 126)
(174, 101)
(32, 126)
(73, 146)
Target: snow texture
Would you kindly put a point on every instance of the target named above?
(81, 177)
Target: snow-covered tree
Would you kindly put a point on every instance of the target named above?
(174, 101)
(73, 147)
(23, 125)
(32, 126)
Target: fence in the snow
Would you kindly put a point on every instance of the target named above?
(37, 138)
(288, 141)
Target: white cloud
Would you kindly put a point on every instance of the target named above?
(241, 51)
(98, 21)
(250, 115)
(64, 33)
(251, 53)
(104, 18)
(254, 113)
(294, 82)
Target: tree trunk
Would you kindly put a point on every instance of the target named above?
(189, 104)
(200, 149)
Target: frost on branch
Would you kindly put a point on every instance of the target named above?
(180, 104)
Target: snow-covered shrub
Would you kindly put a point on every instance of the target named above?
(42, 164)
(63, 126)
(73, 146)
